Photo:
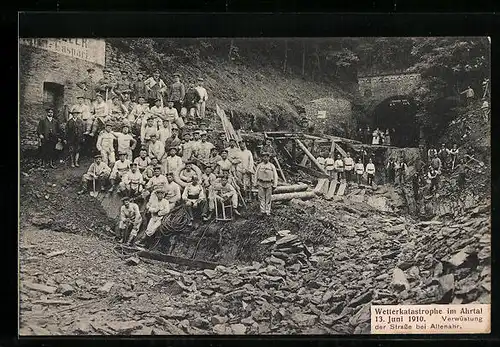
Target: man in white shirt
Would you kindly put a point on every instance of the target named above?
(359, 168)
(204, 149)
(370, 170)
(132, 181)
(105, 145)
(348, 167)
(330, 166)
(156, 148)
(126, 142)
(200, 106)
(172, 162)
(155, 86)
(82, 110)
(158, 181)
(194, 199)
(142, 160)
(172, 191)
(158, 208)
(339, 168)
(130, 219)
(247, 169)
(119, 169)
(101, 112)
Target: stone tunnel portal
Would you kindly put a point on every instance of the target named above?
(398, 113)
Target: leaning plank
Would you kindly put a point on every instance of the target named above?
(331, 190)
(341, 190)
(310, 171)
(338, 148)
(279, 169)
(310, 156)
(172, 259)
(319, 187)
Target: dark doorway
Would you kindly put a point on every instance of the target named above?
(53, 96)
(398, 113)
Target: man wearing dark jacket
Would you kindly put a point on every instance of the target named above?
(48, 131)
(191, 99)
(177, 92)
(74, 137)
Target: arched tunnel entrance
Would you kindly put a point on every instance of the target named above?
(398, 113)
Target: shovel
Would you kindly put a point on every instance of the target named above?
(481, 164)
(93, 193)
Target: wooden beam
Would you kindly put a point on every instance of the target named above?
(310, 171)
(342, 152)
(279, 169)
(294, 151)
(311, 157)
(332, 150)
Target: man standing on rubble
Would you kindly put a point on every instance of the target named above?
(339, 168)
(126, 142)
(370, 170)
(97, 171)
(266, 179)
(156, 87)
(191, 100)
(469, 95)
(443, 156)
(105, 145)
(436, 163)
(200, 106)
(130, 219)
(359, 168)
(75, 129)
(247, 170)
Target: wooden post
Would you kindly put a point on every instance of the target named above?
(311, 157)
(279, 169)
(294, 152)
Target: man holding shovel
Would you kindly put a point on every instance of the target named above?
(97, 172)
(130, 219)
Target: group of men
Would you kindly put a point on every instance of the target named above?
(444, 160)
(347, 168)
(377, 137)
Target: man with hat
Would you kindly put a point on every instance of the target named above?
(138, 116)
(119, 170)
(105, 145)
(158, 112)
(234, 154)
(177, 92)
(266, 179)
(88, 86)
(142, 160)
(173, 140)
(194, 199)
(172, 162)
(191, 100)
(127, 104)
(106, 86)
(132, 182)
(172, 191)
(187, 147)
(196, 142)
(97, 171)
(246, 169)
(164, 132)
(101, 112)
(200, 106)
(147, 130)
(158, 208)
(123, 84)
(170, 114)
(222, 192)
(158, 181)
(139, 88)
(116, 111)
(49, 133)
(224, 164)
(204, 149)
(187, 174)
(75, 129)
(130, 220)
(155, 87)
(215, 157)
(148, 173)
(126, 142)
(156, 148)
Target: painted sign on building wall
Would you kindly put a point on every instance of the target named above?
(91, 50)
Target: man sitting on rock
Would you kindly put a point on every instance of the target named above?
(194, 199)
(149, 171)
(156, 148)
(172, 162)
(132, 182)
(98, 171)
(130, 220)
(222, 193)
(119, 169)
(157, 182)
(208, 178)
(187, 174)
(142, 160)
(224, 164)
(157, 208)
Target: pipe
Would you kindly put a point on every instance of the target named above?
(291, 188)
(294, 195)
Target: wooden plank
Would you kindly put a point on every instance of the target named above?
(171, 259)
(319, 186)
(342, 152)
(332, 150)
(341, 189)
(310, 171)
(311, 157)
(304, 160)
(331, 190)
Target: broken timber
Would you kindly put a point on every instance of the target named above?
(169, 258)
(311, 157)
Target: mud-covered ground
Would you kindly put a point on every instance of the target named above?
(361, 250)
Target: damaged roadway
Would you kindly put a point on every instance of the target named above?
(312, 267)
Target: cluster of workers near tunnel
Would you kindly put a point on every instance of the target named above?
(377, 137)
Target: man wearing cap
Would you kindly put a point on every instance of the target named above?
(88, 86)
(173, 140)
(82, 111)
(132, 181)
(142, 160)
(105, 86)
(157, 182)
(177, 92)
(348, 167)
(105, 145)
(49, 133)
(139, 112)
(126, 142)
(158, 208)
(172, 191)
(170, 114)
(196, 142)
(269, 148)
(149, 171)
(130, 219)
(266, 179)
(157, 112)
(172, 162)
(164, 131)
(443, 155)
(101, 112)
(187, 174)
(123, 84)
(215, 157)
(119, 169)
(200, 106)
(194, 198)
(147, 131)
(222, 192)
(156, 148)
(116, 110)
(339, 167)
(155, 86)
(98, 171)
(75, 128)
(224, 164)
(234, 156)
(191, 100)
(127, 104)
(246, 168)
(208, 179)
(139, 88)
(187, 147)
(204, 149)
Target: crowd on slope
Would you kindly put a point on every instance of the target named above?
(155, 155)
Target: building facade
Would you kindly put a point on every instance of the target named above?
(48, 72)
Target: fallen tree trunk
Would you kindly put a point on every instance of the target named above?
(293, 195)
(291, 188)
